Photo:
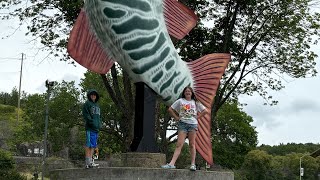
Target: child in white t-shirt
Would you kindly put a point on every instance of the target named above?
(185, 110)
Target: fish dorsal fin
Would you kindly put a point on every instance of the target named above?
(207, 72)
(180, 20)
(85, 49)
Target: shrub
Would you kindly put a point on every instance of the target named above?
(7, 169)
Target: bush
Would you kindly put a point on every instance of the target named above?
(11, 175)
(7, 170)
(7, 109)
(6, 161)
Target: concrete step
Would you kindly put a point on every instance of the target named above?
(138, 173)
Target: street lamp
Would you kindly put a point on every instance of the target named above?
(49, 85)
(314, 155)
(301, 169)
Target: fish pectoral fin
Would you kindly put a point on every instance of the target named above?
(180, 20)
(207, 72)
(85, 49)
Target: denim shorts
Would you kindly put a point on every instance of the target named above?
(185, 127)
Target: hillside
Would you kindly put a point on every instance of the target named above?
(8, 118)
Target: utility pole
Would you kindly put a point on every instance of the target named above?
(22, 55)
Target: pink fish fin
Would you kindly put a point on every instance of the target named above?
(85, 49)
(207, 72)
(180, 20)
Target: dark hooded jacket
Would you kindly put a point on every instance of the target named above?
(91, 112)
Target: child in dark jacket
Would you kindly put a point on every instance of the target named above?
(91, 115)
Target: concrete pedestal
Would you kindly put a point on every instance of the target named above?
(136, 159)
(147, 160)
(136, 173)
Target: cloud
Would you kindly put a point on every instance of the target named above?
(263, 115)
(298, 106)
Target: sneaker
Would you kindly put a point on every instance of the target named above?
(193, 167)
(87, 166)
(168, 166)
(93, 164)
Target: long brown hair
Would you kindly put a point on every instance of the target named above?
(192, 96)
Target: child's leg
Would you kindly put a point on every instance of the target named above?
(192, 145)
(88, 155)
(181, 138)
(88, 149)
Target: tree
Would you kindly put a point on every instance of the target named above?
(260, 165)
(233, 136)
(64, 114)
(257, 164)
(284, 149)
(33, 119)
(12, 98)
(269, 41)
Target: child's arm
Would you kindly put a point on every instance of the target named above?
(173, 114)
(204, 112)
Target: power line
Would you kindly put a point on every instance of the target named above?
(8, 59)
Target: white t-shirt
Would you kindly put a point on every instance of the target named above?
(187, 110)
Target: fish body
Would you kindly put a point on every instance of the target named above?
(135, 34)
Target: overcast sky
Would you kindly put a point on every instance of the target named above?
(295, 119)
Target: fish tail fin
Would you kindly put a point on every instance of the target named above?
(207, 72)
(179, 19)
(85, 49)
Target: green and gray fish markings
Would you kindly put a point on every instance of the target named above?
(147, 66)
(136, 30)
(113, 13)
(134, 4)
(157, 77)
(138, 42)
(138, 55)
(179, 85)
(169, 64)
(168, 83)
(136, 23)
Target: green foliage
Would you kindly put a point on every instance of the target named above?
(64, 113)
(233, 136)
(7, 170)
(12, 98)
(6, 160)
(9, 125)
(9, 99)
(50, 21)
(260, 165)
(33, 126)
(283, 149)
(267, 39)
(4, 110)
(7, 112)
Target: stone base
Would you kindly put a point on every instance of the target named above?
(136, 173)
(139, 159)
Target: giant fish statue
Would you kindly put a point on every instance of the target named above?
(136, 35)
